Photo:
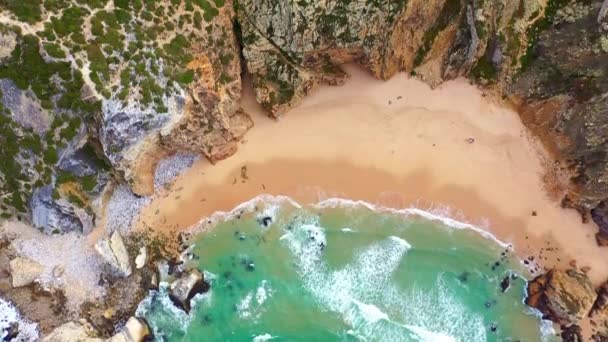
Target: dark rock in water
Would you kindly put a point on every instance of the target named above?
(564, 297)
(265, 221)
(185, 288)
(504, 284)
(490, 303)
(250, 267)
(207, 320)
(572, 333)
(11, 332)
(493, 327)
(464, 276)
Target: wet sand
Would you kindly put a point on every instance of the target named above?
(397, 144)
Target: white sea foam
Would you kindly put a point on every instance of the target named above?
(248, 308)
(347, 230)
(430, 336)
(28, 331)
(400, 241)
(261, 338)
(440, 215)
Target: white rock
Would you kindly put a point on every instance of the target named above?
(24, 271)
(142, 257)
(114, 252)
(70, 332)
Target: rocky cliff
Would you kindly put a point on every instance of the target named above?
(99, 90)
(550, 58)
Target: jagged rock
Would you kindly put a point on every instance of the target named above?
(185, 288)
(114, 252)
(135, 330)
(142, 257)
(71, 332)
(572, 333)
(565, 297)
(24, 271)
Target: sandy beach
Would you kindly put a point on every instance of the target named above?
(398, 144)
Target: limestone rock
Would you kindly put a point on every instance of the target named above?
(70, 332)
(565, 297)
(24, 271)
(185, 288)
(114, 252)
(136, 330)
(142, 257)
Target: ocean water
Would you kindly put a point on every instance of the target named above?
(344, 271)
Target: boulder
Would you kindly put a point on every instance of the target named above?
(136, 330)
(185, 288)
(71, 332)
(114, 252)
(564, 297)
(142, 257)
(24, 271)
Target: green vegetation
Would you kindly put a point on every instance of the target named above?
(537, 28)
(25, 10)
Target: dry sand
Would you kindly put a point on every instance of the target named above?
(398, 144)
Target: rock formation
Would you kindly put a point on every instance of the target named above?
(114, 252)
(24, 271)
(185, 288)
(564, 297)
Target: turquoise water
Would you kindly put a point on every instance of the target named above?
(345, 272)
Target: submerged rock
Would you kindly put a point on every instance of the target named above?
(24, 271)
(564, 297)
(114, 252)
(185, 288)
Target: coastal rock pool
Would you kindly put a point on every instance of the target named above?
(345, 271)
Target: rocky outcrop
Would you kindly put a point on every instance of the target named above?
(24, 271)
(114, 252)
(564, 297)
(185, 288)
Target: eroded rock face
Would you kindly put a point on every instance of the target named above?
(185, 288)
(564, 297)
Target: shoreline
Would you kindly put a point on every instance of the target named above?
(398, 144)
